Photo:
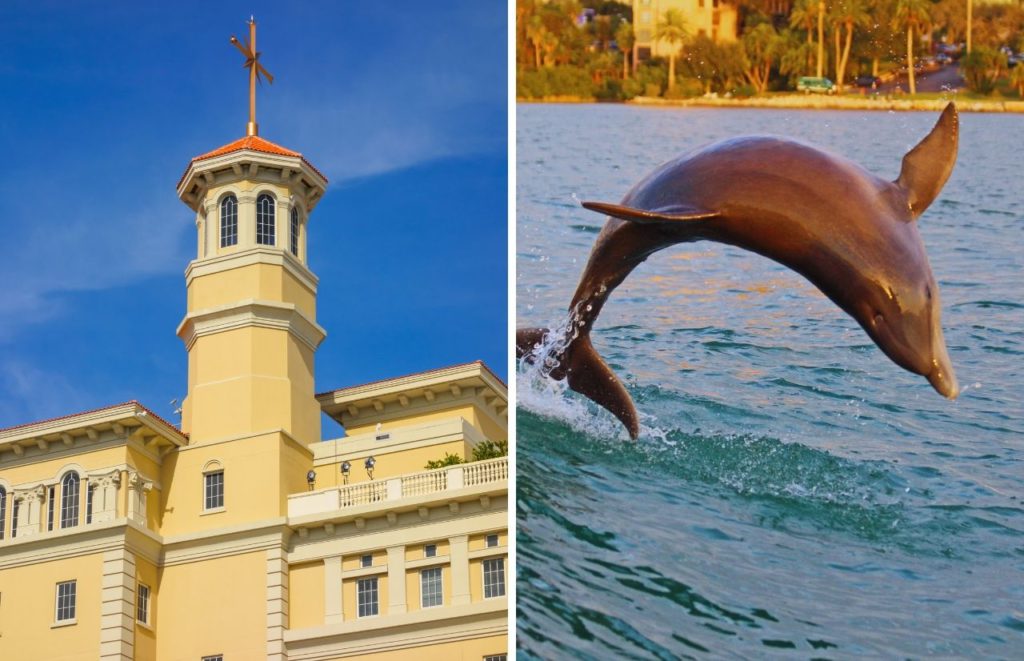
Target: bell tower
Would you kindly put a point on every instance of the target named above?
(250, 327)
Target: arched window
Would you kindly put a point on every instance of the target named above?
(69, 500)
(293, 239)
(3, 512)
(228, 221)
(265, 220)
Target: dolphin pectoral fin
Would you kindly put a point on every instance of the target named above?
(667, 214)
(588, 375)
(927, 166)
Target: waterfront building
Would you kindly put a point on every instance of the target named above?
(716, 19)
(239, 534)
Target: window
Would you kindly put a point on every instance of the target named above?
(214, 657)
(492, 541)
(66, 601)
(265, 220)
(90, 491)
(142, 604)
(214, 491)
(366, 561)
(228, 221)
(51, 496)
(14, 517)
(494, 578)
(69, 500)
(293, 235)
(430, 551)
(430, 588)
(3, 511)
(366, 596)
(496, 657)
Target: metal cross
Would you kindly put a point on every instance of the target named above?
(252, 62)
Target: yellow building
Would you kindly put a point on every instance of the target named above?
(716, 19)
(241, 535)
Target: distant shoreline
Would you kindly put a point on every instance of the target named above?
(808, 102)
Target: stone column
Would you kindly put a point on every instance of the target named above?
(277, 603)
(30, 509)
(117, 609)
(333, 601)
(104, 499)
(396, 580)
(459, 554)
(138, 488)
(282, 219)
(246, 220)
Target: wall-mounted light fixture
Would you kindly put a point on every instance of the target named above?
(311, 479)
(345, 468)
(369, 464)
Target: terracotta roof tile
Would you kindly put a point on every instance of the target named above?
(253, 143)
(99, 410)
(423, 373)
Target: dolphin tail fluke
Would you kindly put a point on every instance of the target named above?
(588, 375)
(527, 340)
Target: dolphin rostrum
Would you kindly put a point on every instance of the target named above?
(852, 234)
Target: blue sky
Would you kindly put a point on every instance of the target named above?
(104, 104)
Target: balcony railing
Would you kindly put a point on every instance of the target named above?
(393, 489)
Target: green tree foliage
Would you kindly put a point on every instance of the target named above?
(673, 30)
(718, 67)
(761, 48)
(490, 450)
(982, 67)
(912, 15)
(449, 460)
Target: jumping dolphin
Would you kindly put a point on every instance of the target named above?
(850, 233)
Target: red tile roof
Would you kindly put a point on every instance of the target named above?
(423, 373)
(99, 410)
(253, 143)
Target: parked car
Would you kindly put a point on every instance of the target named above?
(867, 81)
(808, 84)
(943, 59)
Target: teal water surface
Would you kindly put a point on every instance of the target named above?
(793, 494)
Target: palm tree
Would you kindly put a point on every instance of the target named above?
(673, 29)
(624, 39)
(848, 14)
(821, 38)
(804, 16)
(911, 14)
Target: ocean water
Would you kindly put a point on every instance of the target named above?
(793, 493)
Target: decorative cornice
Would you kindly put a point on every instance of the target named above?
(251, 313)
(198, 268)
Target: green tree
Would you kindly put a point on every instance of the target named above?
(911, 14)
(716, 66)
(490, 450)
(805, 16)
(848, 14)
(982, 67)
(761, 46)
(672, 28)
(624, 38)
(449, 460)
(1017, 79)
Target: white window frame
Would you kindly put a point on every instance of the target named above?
(485, 573)
(266, 220)
(70, 595)
(207, 476)
(437, 594)
(213, 657)
(293, 231)
(228, 233)
(69, 497)
(365, 561)
(142, 603)
(430, 550)
(373, 591)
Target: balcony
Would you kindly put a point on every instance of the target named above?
(449, 482)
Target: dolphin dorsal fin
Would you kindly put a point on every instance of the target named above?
(927, 166)
(673, 213)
